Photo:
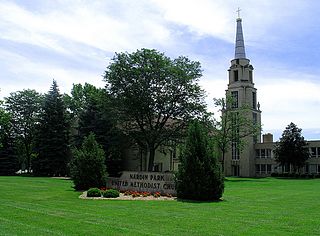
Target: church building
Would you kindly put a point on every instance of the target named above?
(257, 158)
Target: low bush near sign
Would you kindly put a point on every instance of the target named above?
(111, 193)
(94, 192)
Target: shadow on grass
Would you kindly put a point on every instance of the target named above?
(292, 178)
(197, 201)
(235, 179)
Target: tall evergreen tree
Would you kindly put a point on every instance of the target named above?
(292, 149)
(199, 176)
(53, 136)
(97, 118)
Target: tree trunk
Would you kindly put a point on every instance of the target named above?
(152, 152)
(28, 154)
(222, 162)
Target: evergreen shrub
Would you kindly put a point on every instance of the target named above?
(94, 192)
(111, 193)
(88, 165)
(199, 176)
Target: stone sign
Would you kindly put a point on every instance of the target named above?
(144, 182)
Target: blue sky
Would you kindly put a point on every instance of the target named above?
(73, 41)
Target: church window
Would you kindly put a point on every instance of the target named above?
(258, 168)
(255, 121)
(313, 152)
(257, 153)
(255, 118)
(250, 76)
(254, 100)
(235, 75)
(269, 168)
(235, 98)
(307, 168)
(268, 153)
(235, 151)
(263, 153)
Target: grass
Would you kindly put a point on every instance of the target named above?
(47, 206)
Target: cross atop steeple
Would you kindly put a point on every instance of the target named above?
(238, 11)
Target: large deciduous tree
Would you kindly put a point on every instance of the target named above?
(8, 160)
(234, 125)
(154, 96)
(24, 107)
(53, 136)
(292, 149)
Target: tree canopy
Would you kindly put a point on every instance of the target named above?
(91, 112)
(8, 160)
(154, 96)
(24, 107)
(292, 149)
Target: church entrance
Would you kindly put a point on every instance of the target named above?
(235, 170)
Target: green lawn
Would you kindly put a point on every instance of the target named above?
(46, 206)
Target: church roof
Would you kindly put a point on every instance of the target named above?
(239, 49)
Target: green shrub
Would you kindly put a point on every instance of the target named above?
(94, 192)
(111, 193)
(88, 165)
(199, 176)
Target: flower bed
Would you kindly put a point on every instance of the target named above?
(132, 195)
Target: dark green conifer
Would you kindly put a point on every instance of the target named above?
(199, 176)
(53, 137)
(87, 167)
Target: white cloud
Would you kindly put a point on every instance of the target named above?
(83, 23)
(91, 30)
(287, 100)
(37, 75)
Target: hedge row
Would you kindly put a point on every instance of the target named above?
(296, 175)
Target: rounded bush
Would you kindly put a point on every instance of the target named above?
(87, 167)
(94, 192)
(111, 193)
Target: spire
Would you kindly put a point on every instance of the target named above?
(239, 50)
